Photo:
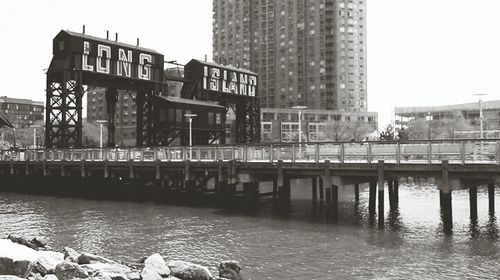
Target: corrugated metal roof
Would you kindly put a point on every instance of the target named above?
(188, 101)
(85, 36)
(236, 69)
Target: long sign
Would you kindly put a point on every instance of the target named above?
(116, 60)
(229, 81)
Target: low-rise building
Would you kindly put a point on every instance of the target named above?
(282, 125)
(22, 112)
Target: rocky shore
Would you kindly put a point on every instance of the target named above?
(35, 260)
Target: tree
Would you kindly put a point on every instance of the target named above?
(387, 133)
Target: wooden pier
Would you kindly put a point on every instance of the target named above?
(230, 171)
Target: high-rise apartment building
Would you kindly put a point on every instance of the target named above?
(306, 52)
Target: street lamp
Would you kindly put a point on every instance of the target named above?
(480, 103)
(100, 122)
(300, 108)
(190, 116)
(34, 135)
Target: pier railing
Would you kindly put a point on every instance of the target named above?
(423, 152)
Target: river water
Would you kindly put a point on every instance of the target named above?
(294, 245)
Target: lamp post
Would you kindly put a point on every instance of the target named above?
(480, 104)
(300, 108)
(100, 122)
(190, 116)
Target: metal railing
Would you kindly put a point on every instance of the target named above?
(464, 151)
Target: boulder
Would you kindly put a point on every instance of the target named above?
(86, 258)
(230, 270)
(156, 263)
(114, 271)
(189, 271)
(68, 270)
(149, 274)
(40, 241)
(71, 255)
(22, 241)
(134, 275)
(50, 277)
(16, 259)
(47, 262)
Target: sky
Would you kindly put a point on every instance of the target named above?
(420, 52)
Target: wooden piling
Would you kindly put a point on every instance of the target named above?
(356, 193)
(446, 199)
(335, 203)
(395, 193)
(473, 203)
(390, 192)
(381, 180)
(491, 198)
(372, 199)
(314, 191)
(328, 194)
(321, 190)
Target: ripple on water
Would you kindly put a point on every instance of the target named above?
(270, 246)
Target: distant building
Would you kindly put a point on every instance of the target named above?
(282, 125)
(22, 112)
(125, 114)
(468, 111)
(309, 53)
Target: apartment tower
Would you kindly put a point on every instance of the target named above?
(306, 52)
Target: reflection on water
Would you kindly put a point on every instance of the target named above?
(299, 243)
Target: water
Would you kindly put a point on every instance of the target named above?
(298, 245)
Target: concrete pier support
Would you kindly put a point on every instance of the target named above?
(232, 181)
(446, 207)
(381, 180)
(390, 192)
(329, 210)
(221, 180)
(473, 203)
(491, 198)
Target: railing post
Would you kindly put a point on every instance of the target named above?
(271, 154)
(369, 153)
(245, 153)
(429, 153)
(155, 156)
(142, 154)
(342, 153)
(316, 153)
(462, 152)
(279, 152)
(398, 153)
(293, 153)
(216, 153)
(198, 156)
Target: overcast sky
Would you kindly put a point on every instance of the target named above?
(420, 52)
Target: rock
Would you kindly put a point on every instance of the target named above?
(149, 274)
(10, 277)
(47, 262)
(71, 254)
(86, 258)
(40, 241)
(230, 270)
(68, 270)
(156, 263)
(134, 275)
(114, 271)
(16, 259)
(50, 277)
(189, 271)
(22, 241)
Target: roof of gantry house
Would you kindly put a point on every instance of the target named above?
(486, 105)
(106, 41)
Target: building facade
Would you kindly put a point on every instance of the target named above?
(308, 52)
(125, 114)
(22, 113)
(469, 114)
(282, 125)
